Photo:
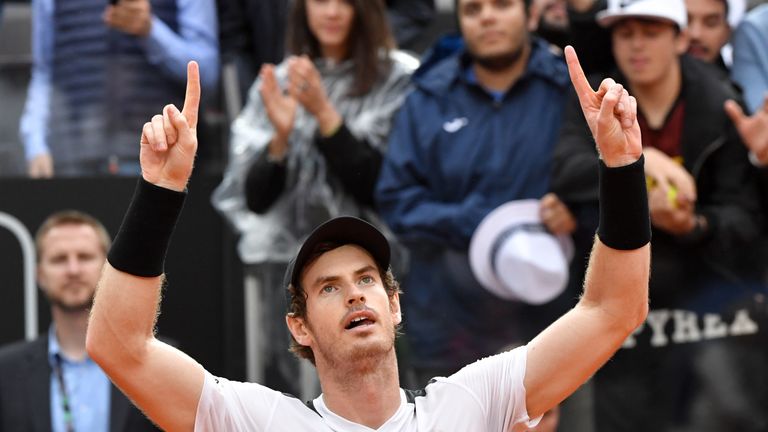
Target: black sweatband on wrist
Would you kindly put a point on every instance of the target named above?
(140, 245)
(625, 222)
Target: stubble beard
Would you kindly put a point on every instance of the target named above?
(500, 62)
(58, 302)
(359, 358)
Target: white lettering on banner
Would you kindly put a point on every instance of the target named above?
(714, 327)
(688, 326)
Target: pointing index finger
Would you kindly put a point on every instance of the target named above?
(579, 80)
(192, 97)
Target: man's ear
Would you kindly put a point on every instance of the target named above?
(394, 308)
(298, 329)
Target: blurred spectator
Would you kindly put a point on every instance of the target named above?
(252, 33)
(750, 61)
(477, 132)
(703, 210)
(50, 384)
(99, 71)
(409, 20)
(710, 23)
(750, 71)
(308, 145)
(549, 19)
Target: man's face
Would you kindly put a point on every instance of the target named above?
(551, 14)
(71, 258)
(350, 319)
(646, 51)
(708, 28)
(494, 30)
(330, 21)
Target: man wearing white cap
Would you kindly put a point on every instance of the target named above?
(704, 210)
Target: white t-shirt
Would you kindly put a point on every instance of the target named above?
(487, 395)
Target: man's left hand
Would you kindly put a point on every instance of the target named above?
(556, 216)
(130, 16)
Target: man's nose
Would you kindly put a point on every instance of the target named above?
(73, 265)
(355, 295)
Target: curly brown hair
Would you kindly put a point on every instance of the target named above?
(297, 304)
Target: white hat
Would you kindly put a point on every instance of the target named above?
(736, 10)
(669, 10)
(514, 257)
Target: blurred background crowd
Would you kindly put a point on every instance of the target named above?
(450, 124)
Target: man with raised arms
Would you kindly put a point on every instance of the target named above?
(345, 307)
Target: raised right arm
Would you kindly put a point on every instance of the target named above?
(162, 381)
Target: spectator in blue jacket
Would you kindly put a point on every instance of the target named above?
(100, 70)
(477, 131)
(750, 71)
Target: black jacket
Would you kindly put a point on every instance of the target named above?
(25, 387)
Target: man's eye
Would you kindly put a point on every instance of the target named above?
(328, 289)
(366, 280)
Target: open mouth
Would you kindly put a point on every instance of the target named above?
(359, 322)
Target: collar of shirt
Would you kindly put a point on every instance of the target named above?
(87, 388)
(395, 423)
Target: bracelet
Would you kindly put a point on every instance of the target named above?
(625, 221)
(142, 241)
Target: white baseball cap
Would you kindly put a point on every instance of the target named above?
(514, 257)
(667, 10)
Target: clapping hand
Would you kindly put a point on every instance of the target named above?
(280, 109)
(169, 141)
(611, 114)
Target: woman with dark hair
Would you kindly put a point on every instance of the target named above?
(309, 143)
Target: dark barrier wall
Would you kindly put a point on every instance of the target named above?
(202, 305)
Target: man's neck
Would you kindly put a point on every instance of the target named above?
(71, 328)
(368, 397)
(501, 80)
(657, 99)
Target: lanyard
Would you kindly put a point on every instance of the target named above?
(59, 371)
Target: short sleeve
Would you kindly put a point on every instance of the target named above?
(497, 384)
(229, 406)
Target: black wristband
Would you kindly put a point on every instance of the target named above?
(140, 245)
(625, 222)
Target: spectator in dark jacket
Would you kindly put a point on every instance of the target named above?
(703, 209)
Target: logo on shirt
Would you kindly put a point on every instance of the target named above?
(455, 125)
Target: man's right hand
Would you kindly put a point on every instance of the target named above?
(40, 166)
(611, 114)
(169, 141)
(280, 108)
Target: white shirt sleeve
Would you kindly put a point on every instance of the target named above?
(497, 384)
(234, 406)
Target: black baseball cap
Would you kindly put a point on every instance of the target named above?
(342, 230)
